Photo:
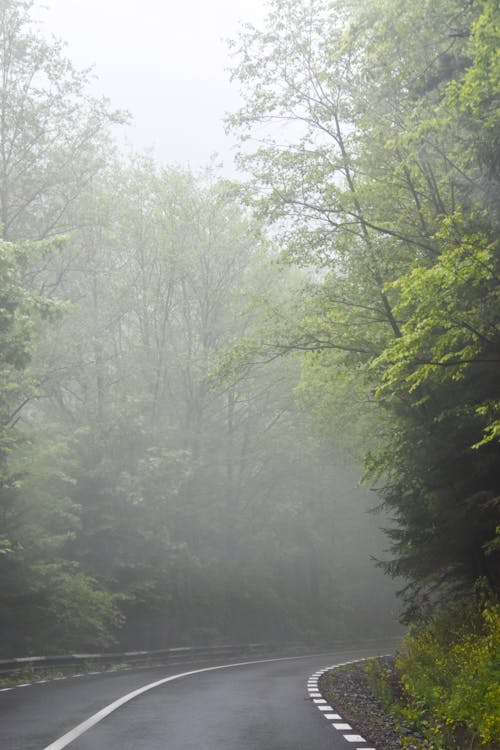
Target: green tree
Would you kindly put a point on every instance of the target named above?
(37, 516)
(374, 176)
(53, 135)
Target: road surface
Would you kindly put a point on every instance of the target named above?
(257, 706)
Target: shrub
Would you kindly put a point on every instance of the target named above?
(451, 677)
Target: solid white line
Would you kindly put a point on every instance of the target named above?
(80, 729)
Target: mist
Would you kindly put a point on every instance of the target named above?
(176, 468)
(167, 502)
(167, 65)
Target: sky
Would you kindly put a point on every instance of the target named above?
(165, 62)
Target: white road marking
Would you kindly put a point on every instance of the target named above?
(354, 738)
(341, 726)
(80, 729)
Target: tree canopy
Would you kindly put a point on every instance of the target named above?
(377, 162)
(143, 501)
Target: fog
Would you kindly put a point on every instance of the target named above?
(167, 65)
(164, 481)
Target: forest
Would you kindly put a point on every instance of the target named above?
(197, 372)
(146, 501)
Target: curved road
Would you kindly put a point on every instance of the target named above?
(253, 706)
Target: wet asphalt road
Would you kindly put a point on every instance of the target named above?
(263, 706)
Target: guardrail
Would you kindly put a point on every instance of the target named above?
(181, 653)
(170, 655)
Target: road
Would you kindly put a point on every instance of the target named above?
(257, 706)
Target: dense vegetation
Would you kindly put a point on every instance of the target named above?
(389, 188)
(379, 134)
(143, 502)
(444, 689)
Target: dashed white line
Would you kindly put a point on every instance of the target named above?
(337, 721)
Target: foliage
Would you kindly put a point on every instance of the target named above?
(378, 144)
(442, 690)
(54, 134)
(21, 314)
(146, 501)
(450, 675)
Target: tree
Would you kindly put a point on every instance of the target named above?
(37, 517)
(19, 315)
(53, 138)
(146, 495)
(192, 497)
(53, 135)
(377, 182)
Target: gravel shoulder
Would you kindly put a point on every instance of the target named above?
(347, 690)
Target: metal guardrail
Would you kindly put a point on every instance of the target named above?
(181, 653)
(171, 655)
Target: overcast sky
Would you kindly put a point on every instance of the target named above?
(162, 60)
